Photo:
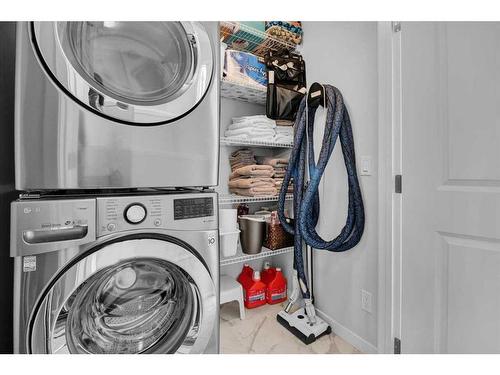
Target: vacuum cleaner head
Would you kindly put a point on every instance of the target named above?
(298, 324)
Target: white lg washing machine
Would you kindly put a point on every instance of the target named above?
(116, 105)
(116, 274)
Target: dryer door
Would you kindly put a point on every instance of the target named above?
(138, 295)
(131, 72)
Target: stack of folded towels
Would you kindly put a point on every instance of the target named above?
(241, 158)
(279, 166)
(284, 134)
(249, 178)
(255, 128)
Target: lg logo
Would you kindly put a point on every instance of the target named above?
(28, 210)
(211, 240)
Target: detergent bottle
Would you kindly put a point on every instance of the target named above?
(245, 277)
(276, 289)
(255, 294)
(268, 273)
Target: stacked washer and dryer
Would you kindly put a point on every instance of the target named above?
(115, 236)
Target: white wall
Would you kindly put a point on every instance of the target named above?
(344, 54)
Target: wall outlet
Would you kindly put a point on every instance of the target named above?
(366, 301)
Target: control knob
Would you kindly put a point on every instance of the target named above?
(135, 213)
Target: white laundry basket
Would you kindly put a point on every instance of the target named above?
(229, 243)
(228, 220)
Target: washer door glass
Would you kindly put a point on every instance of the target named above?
(140, 72)
(132, 304)
(136, 62)
(129, 308)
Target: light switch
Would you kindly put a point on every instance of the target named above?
(366, 166)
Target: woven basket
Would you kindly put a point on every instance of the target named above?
(277, 237)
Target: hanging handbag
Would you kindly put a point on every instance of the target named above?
(286, 85)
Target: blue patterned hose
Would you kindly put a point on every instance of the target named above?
(306, 198)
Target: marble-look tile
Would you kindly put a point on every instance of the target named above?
(343, 346)
(260, 333)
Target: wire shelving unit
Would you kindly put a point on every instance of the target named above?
(248, 39)
(234, 199)
(242, 258)
(244, 142)
(244, 92)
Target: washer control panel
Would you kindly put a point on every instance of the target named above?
(188, 208)
(189, 211)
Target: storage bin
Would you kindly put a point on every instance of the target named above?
(229, 243)
(228, 220)
(266, 215)
(253, 232)
(277, 237)
(244, 68)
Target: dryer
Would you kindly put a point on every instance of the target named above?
(116, 105)
(116, 274)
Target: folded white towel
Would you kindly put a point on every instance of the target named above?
(258, 119)
(250, 132)
(284, 131)
(283, 139)
(266, 138)
(253, 118)
(236, 126)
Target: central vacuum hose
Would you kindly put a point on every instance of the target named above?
(306, 198)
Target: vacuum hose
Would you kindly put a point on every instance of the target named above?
(306, 198)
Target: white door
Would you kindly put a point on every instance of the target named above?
(450, 79)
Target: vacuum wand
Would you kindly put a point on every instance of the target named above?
(294, 296)
(310, 310)
(298, 285)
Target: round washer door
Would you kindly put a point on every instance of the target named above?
(132, 72)
(134, 296)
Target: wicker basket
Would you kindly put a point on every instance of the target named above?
(277, 237)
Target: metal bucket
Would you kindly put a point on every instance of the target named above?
(253, 233)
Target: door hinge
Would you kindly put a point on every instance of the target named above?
(397, 346)
(398, 184)
(396, 26)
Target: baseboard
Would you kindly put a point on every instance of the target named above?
(348, 335)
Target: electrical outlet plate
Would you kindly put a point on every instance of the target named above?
(366, 301)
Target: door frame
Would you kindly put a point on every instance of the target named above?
(389, 202)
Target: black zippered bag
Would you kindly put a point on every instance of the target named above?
(286, 85)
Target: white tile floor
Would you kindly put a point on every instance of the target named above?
(260, 333)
